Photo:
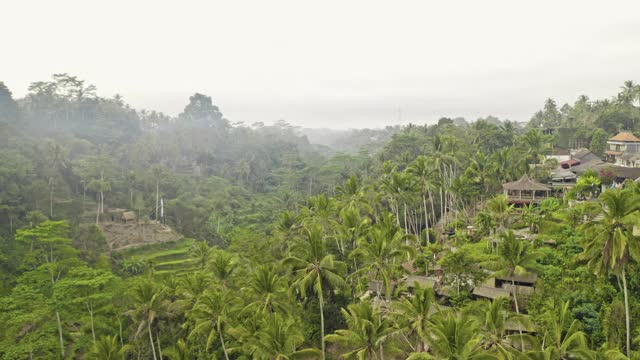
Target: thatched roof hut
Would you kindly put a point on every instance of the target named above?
(128, 216)
(525, 191)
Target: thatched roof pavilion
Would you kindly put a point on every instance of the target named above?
(525, 191)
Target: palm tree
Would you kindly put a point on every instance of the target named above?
(107, 348)
(267, 290)
(610, 244)
(412, 314)
(500, 209)
(453, 335)
(314, 268)
(279, 339)
(223, 266)
(180, 351)
(147, 305)
(494, 320)
(562, 336)
(210, 314)
(516, 259)
(380, 251)
(420, 169)
(629, 93)
(200, 252)
(368, 333)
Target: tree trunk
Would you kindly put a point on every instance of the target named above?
(51, 199)
(157, 198)
(159, 348)
(515, 300)
(426, 217)
(224, 348)
(60, 333)
(93, 331)
(626, 312)
(98, 212)
(320, 299)
(153, 348)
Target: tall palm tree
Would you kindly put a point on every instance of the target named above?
(494, 319)
(562, 335)
(200, 252)
(314, 268)
(420, 169)
(499, 209)
(107, 348)
(454, 335)
(210, 314)
(223, 266)
(412, 315)
(267, 291)
(610, 243)
(350, 228)
(148, 303)
(368, 334)
(279, 339)
(380, 252)
(515, 259)
(180, 351)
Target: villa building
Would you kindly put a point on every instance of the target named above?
(623, 150)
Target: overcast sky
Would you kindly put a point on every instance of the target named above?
(326, 63)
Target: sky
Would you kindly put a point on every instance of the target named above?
(333, 64)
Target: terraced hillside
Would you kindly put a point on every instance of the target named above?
(168, 257)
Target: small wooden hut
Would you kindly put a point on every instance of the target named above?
(128, 217)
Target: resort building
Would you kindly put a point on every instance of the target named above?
(525, 191)
(623, 150)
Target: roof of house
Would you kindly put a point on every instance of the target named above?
(128, 215)
(490, 292)
(585, 155)
(570, 162)
(595, 165)
(562, 174)
(625, 136)
(529, 278)
(626, 172)
(525, 184)
(421, 280)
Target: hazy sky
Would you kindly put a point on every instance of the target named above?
(328, 63)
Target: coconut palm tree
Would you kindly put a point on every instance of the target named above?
(424, 174)
(180, 351)
(515, 259)
(223, 266)
(379, 253)
(107, 348)
(148, 303)
(494, 319)
(200, 252)
(315, 269)
(279, 339)
(411, 315)
(267, 291)
(499, 209)
(210, 314)
(453, 335)
(610, 243)
(562, 335)
(368, 334)
(350, 228)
